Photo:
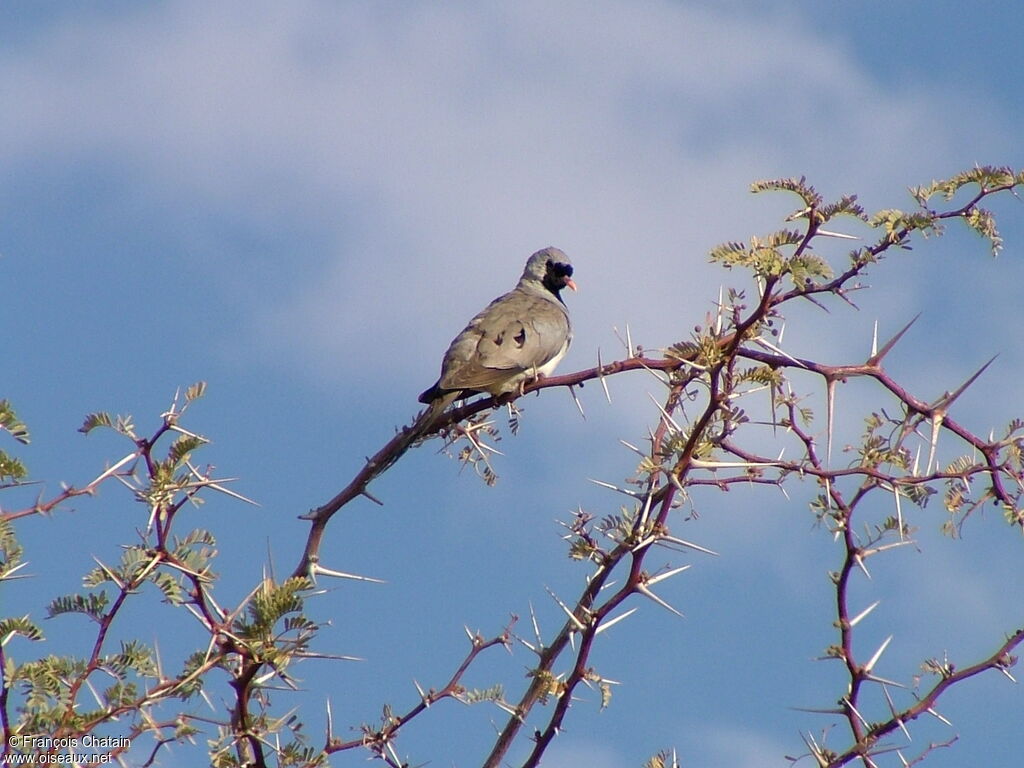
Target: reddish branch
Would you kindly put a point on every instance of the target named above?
(378, 740)
(661, 488)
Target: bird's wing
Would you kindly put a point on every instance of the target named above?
(513, 335)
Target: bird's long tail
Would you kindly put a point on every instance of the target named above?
(409, 435)
(429, 417)
(378, 464)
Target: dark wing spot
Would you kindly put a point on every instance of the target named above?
(499, 339)
(521, 337)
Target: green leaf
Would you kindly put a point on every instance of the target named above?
(271, 603)
(121, 694)
(988, 178)
(478, 695)
(92, 605)
(846, 206)
(798, 187)
(729, 254)
(762, 374)
(784, 237)
(170, 587)
(94, 420)
(197, 536)
(983, 222)
(183, 447)
(11, 468)
(134, 657)
(10, 549)
(806, 267)
(121, 424)
(9, 423)
(22, 626)
(195, 682)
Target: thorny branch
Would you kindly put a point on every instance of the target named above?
(686, 450)
(379, 740)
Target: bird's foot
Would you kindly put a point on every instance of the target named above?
(537, 378)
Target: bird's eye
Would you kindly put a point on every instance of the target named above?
(560, 269)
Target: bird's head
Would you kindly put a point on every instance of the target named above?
(551, 268)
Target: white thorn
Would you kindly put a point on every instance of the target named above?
(616, 620)
(718, 317)
(893, 545)
(684, 543)
(839, 235)
(777, 350)
(634, 449)
(579, 405)
(668, 418)
(899, 511)
(860, 564)
(878, 654)
(600, 375)
(645, 513)
(667, 575)
(536, 626)
(702, 464)
(853, 709)
(936, 426)
(323, 571)
(645, 541)
(892, 709)
(939, 717)
(568, 611)
(883, 681)
(94, 693)
(110, 574)
(857, 619)
(603, 484)
(643, 590)
(507, 708)
(818, 711)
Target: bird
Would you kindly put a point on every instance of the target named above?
(518, 337)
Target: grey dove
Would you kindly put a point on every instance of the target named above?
(514, 339)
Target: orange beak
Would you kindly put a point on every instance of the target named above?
(569, 283)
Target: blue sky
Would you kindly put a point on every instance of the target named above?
(302, 203)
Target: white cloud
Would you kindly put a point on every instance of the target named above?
(431, 148)
(434, 148)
